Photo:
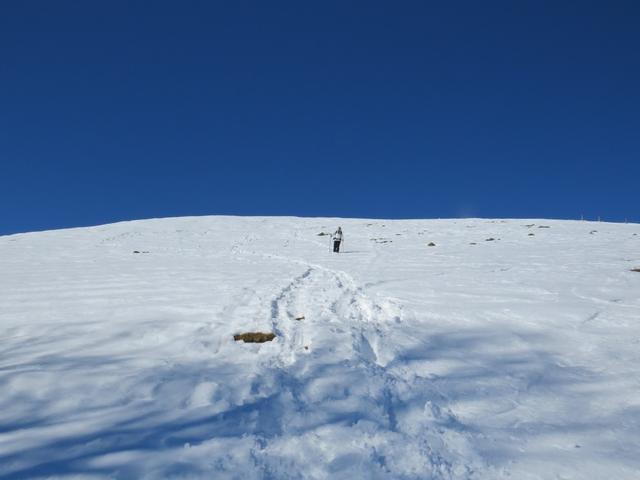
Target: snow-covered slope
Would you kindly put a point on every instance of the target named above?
(516, 357)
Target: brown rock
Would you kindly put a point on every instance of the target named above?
(254, 337)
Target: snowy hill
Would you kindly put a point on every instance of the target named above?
(515, 357)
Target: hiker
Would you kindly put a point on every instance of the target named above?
(337, 240)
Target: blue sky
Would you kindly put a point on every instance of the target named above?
(128, 109)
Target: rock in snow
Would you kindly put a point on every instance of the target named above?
(515, 360)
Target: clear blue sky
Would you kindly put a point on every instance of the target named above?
(116, 110)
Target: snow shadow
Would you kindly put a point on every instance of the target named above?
(161, 412)
(505, 384)
(524, 397)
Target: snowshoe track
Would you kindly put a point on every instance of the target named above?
(343, 336)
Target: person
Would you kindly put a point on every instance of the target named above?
(337, 240)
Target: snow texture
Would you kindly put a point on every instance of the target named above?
(471, 359)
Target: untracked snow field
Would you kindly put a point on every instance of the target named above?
(515, 358)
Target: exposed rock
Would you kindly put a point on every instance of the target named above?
(254, 337)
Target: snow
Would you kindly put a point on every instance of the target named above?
(513, 358)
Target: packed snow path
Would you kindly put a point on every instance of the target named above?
(507, 350)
